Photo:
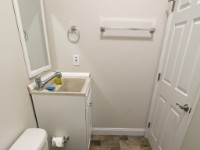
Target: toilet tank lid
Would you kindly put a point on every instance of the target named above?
(31, 139)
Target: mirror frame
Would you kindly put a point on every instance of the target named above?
(31, 73)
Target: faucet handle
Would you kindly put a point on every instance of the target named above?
(38, 81)
(38, 77)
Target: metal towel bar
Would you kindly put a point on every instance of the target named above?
(151, 30)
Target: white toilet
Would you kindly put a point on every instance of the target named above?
(31, 139)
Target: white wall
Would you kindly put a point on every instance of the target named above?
(123, 69)
(191, 140)
(16, 112)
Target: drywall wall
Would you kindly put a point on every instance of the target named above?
(16, 112)
(191, 140)
(123, 68)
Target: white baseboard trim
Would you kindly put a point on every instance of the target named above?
(119, 131)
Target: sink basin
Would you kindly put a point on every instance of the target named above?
(72, 85)
(69, 86)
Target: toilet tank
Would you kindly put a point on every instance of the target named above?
(31, 139)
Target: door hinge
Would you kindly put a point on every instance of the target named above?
(190, 110)
(159, 75)
(149, 124)
(173, 4)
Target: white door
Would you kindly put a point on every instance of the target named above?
(179, 80)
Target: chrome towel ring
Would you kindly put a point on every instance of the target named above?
(73, 34)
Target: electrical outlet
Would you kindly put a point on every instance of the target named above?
(76, 60)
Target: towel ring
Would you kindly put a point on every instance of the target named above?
(73, 34)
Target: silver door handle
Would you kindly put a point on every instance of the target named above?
(185, 107)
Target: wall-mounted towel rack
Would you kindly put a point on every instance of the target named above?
(151, 30)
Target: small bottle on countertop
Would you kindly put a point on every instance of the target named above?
(58, 81)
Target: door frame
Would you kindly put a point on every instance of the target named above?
(156, 83)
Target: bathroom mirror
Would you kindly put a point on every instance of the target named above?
(32, 30)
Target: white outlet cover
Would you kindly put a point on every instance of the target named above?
(76, 60)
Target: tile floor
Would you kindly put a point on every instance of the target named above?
(115, 142)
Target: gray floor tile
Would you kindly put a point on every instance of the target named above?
(129, 145)
(99, 148)
(110, 143)
(119, 142)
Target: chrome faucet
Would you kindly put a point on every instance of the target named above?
(40, 84)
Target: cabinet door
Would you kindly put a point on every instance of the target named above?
(87, 127)
(90, 120)
(88, 117)
(62, 115)
(90, 114)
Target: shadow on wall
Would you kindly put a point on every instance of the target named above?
(133, 38)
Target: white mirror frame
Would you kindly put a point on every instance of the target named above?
(31, 73)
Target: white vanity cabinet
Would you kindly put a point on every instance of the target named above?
(62, 114)
(89, 116)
